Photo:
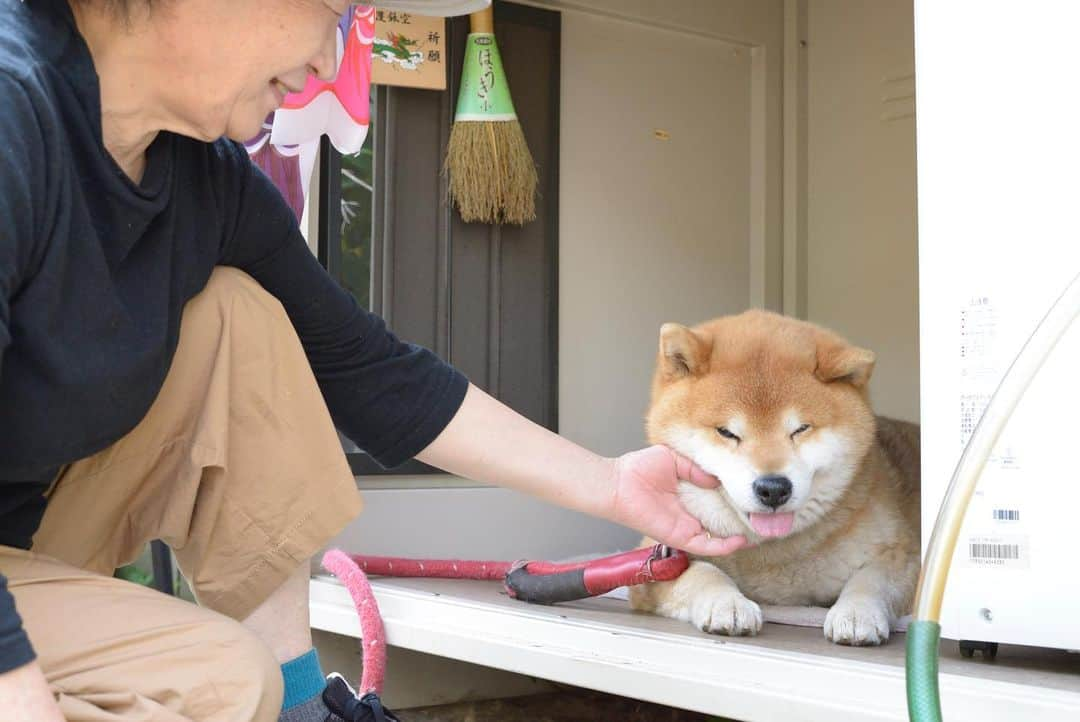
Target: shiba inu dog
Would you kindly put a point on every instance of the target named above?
(827, 493)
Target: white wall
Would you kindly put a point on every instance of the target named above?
(861, 237)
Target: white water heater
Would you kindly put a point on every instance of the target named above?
(998, 148)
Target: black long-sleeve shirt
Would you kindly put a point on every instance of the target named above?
(95, 271)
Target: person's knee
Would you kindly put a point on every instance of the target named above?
(189, 661)
(233, 302)
(228, 280)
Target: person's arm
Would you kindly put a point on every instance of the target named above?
(24, 694)
(487, 441)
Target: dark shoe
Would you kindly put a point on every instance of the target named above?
(344, 705)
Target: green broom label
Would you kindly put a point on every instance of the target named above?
(485, 94)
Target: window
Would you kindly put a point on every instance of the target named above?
(356, 203)
(483, 297)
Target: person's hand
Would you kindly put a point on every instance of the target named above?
(646, 498)
(25, 696)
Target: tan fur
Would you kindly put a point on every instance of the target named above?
(855, 542)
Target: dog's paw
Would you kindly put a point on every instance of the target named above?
(726, 612)
(858, 621)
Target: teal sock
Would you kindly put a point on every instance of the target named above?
(304, 679)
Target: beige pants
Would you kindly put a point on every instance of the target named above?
(238, 468)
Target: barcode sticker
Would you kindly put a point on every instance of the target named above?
(1009, 552)
(1006, 515)
(995, 551)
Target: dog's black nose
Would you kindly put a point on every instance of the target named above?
(773, 491)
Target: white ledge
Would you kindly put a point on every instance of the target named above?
(788, 673)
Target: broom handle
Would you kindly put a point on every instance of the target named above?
(482, 21)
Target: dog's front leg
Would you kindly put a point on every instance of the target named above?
(704, 596)
(862, 615)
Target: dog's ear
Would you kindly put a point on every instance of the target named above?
(682, 352)
(838, 360)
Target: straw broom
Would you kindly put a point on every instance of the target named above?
(492, 174)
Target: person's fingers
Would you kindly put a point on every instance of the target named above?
(706, 545)
(687, 470)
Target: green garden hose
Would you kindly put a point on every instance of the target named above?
(924, 702)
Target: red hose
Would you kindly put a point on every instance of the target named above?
(534, 581)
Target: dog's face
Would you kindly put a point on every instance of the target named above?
(774, 407)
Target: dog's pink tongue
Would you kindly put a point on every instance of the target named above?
(772, 525)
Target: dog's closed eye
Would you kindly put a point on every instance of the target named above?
(802, 429)
(723, 431)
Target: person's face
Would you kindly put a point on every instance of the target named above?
(233, 61)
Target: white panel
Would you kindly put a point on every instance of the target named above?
(475, 523)
(861, 239)
(421, 680)
(998, 163)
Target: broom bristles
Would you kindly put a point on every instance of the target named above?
(492, 174)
